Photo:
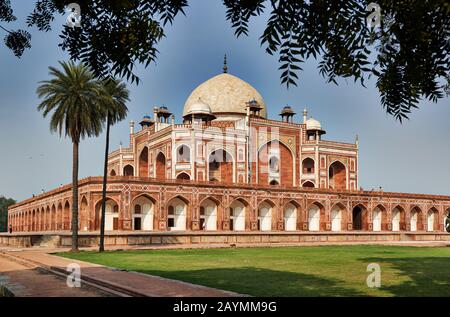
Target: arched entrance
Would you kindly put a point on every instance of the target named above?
(184, 176)
(237, 216)
(143, 214)
(398, 218)
(359, 215)
(265, 216)
(337, 218)
(177, 212)
(143, 163)
(308, 184)
(416, 219)
(314, 218)
(433, 220)
(160, 167)
(275, 162)
(111, 215)
(308, 166)
(83, 216)
(208, 215)
(183, 154)
(220, 164)
(338, 176)
(377, 218)
(290, 217)
(128, 171)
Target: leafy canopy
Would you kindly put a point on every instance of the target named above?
(408, 54)
(71, 97)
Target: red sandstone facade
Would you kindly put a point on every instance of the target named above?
(228, 168)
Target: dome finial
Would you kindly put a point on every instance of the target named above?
(225, 64)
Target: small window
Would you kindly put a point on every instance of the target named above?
(171, 223)
(202, 211)
(171, 210)
(137, 209)
(274, 164)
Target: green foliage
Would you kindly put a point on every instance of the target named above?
(16, 40)
(113, 98)
(71, 96)
(4, 204)
(408, 54)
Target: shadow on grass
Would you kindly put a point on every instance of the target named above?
(260, 282)
(427, 276)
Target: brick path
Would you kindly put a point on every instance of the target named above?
(26, 281)
(128, 283)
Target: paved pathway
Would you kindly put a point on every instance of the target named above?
(129, 283)
(26, 281)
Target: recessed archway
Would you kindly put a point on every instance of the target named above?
(416, 219)
(308, 184)
(359, 217)
(113, 173)
(208, 215)
(143, 162)
(314, 217)
(290, 217)
(238, 215)
(275, 162)
(143, 214)
(184, 176)
(337, 176)
(111, 215)
(433, 220)
(221, 166)
(177, 214)
(308, 166)
(84, 226)
(183, 154)
(128, 171)
(160, 167)
(379, 218)
(398, 219)
(337, 215)
(265, 216)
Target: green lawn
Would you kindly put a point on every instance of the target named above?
(294, 271)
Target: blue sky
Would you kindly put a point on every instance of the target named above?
(412, 157)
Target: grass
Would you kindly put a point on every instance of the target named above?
(294, 271)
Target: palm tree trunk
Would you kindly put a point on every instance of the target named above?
(105, 181)
(75, 198)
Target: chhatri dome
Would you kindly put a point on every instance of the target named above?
(226, 95)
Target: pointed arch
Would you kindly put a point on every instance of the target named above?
(398, 218)
(143, 162)
(379, 218)
(316, 216)
(271, 156)
(221, 166)
(177, 209)
(161, 167)
(337, 175)
(208, 213)
(128, 170)
(84, 214)
(183, 176)
(360, 217)
(239, 214)
(416, 219)
(183, 153)
(433, 219)
(308, 184)
(338, 217)
(143, 213)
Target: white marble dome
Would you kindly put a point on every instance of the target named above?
(225, 94)
(199, 107)
(313, 124)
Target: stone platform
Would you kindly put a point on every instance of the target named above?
(63, 239)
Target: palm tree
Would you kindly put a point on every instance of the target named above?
(71, 97)
(113, 99)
